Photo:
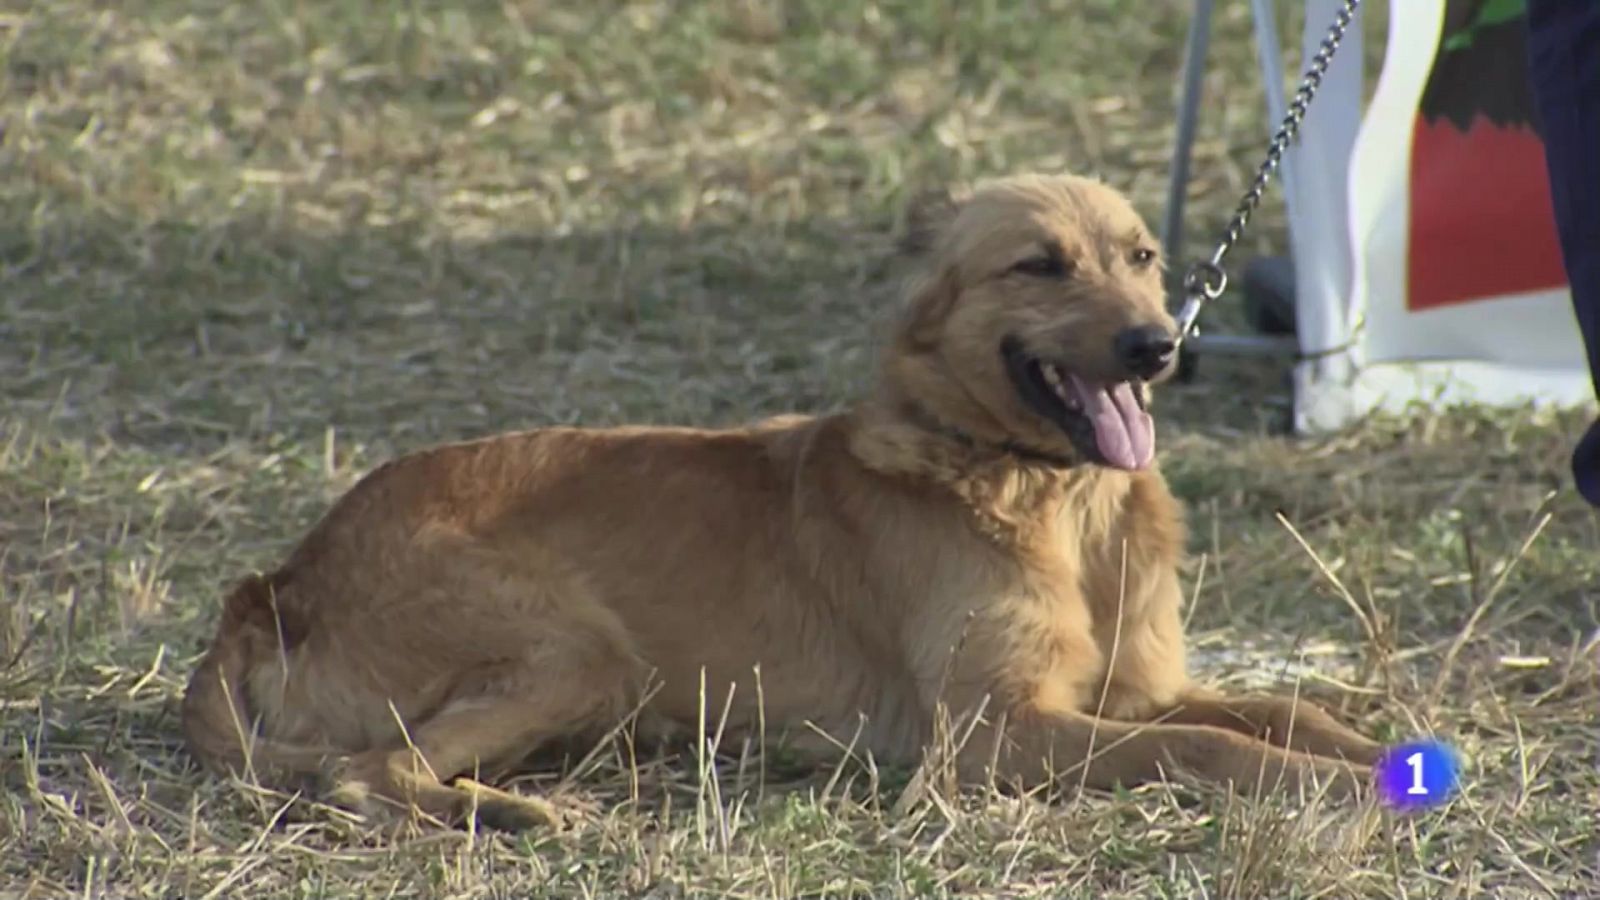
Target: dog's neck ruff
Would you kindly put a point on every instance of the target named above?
(922, 418)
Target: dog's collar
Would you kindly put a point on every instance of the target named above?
(926, 420)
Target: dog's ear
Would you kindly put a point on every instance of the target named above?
(925, 218)
(932, 295)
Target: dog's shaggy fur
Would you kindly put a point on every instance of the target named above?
(983, 535)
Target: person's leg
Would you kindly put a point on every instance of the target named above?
(1564, 68)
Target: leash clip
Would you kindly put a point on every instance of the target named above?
(1204, 281)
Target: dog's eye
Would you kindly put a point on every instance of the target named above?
(1142, 257)
(1044, 266)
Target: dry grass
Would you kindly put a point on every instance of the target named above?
(248, 249)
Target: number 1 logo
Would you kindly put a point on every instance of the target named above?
(1417, 788)
(1419, 774)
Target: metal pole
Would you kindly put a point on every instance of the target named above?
(1244, 345)
(1194, 69)
(1269, 55)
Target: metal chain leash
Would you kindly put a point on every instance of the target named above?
(1206, 279)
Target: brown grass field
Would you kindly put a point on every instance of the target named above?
(248, 250)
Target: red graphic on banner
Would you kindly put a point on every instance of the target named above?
(1482, 224)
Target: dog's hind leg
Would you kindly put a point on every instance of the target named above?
(552, 663)
(496, 717)
(434, 773)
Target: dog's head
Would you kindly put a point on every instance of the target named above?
(1038, 319)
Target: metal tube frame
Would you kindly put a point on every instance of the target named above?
(1269, 55)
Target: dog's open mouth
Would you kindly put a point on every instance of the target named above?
(1107, 422)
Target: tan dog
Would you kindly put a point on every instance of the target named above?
(985, 534)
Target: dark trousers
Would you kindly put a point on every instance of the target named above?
(1564, 67)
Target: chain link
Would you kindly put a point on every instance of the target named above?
(1206, 279)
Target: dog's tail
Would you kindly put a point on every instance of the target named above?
(217, 721)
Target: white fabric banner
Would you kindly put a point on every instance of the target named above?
(1427, 265)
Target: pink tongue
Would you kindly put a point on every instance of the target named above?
(1124, 433)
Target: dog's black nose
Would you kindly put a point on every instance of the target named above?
(1145, 351)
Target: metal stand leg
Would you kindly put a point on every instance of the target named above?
(1194, 70)
(1269, 57)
